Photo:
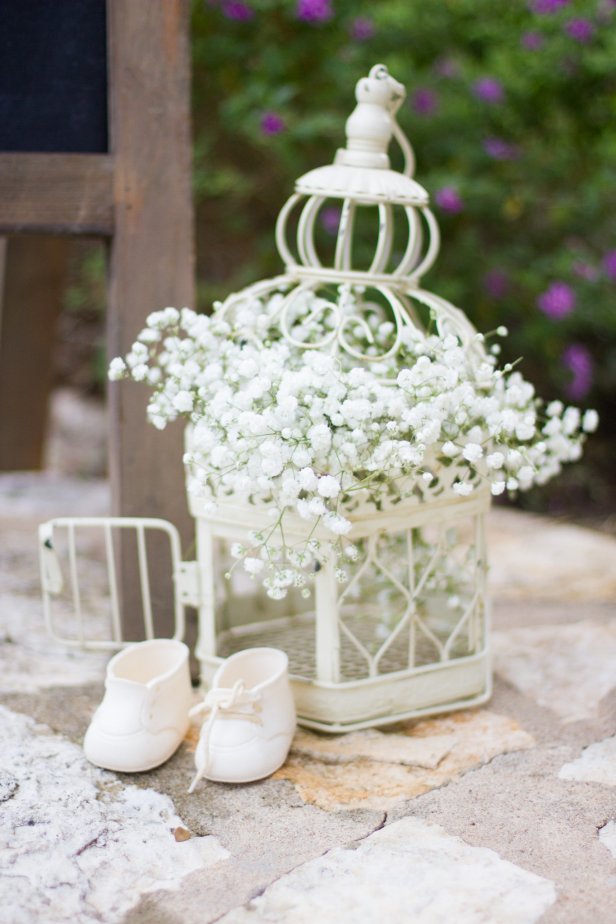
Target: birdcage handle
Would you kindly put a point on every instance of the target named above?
(406, 148)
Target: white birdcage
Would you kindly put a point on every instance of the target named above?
(406, 632)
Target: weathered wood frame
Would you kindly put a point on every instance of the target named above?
(138, 198)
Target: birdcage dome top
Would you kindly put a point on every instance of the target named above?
(356, 237)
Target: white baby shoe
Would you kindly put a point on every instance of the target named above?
(144, 714)
(250, 718)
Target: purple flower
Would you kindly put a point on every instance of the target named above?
(235, 9)
(545, 7)
(330, 219)
(580, 29)
(500, 150)
(609, 265)
(362, 29)
(532, 41)
(314, 10)
(449, 200)
(578, 360)
(557, 301)
(496, 283)
(272, 124)
(489, 90)
(424, 101)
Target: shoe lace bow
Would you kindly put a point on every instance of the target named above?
(234, 702)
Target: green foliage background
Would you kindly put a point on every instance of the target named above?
(546, 215)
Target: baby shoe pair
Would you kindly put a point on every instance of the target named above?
(145, 713)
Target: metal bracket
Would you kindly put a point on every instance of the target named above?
(187, 581)
(51, 573)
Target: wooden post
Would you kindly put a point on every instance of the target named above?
(152, 251)
(35, 272)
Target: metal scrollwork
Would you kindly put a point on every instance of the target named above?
(360, 176)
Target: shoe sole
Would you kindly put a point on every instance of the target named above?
(250, 779)
(140, 768)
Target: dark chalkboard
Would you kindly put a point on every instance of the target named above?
(53, 76)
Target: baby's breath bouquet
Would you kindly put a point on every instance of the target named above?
(314, 434)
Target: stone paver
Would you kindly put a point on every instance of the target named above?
(407, 871)
(531, 556)
(597, 764)
(331, 774)
(568, 669)
(77, 844)
(607, 836)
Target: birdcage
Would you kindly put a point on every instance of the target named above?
(405, 633)
(402, 630)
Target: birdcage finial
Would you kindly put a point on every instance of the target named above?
(371, 124)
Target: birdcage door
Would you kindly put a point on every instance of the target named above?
(85, 602)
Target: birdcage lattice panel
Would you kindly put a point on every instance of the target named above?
(414, 598)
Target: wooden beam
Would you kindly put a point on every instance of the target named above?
(56, 193)
(36, 270)
(152, 250)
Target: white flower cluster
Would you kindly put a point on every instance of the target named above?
(307, 434)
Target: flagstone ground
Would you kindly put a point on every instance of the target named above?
(500, 814)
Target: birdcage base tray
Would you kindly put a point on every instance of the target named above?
(352, 704)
